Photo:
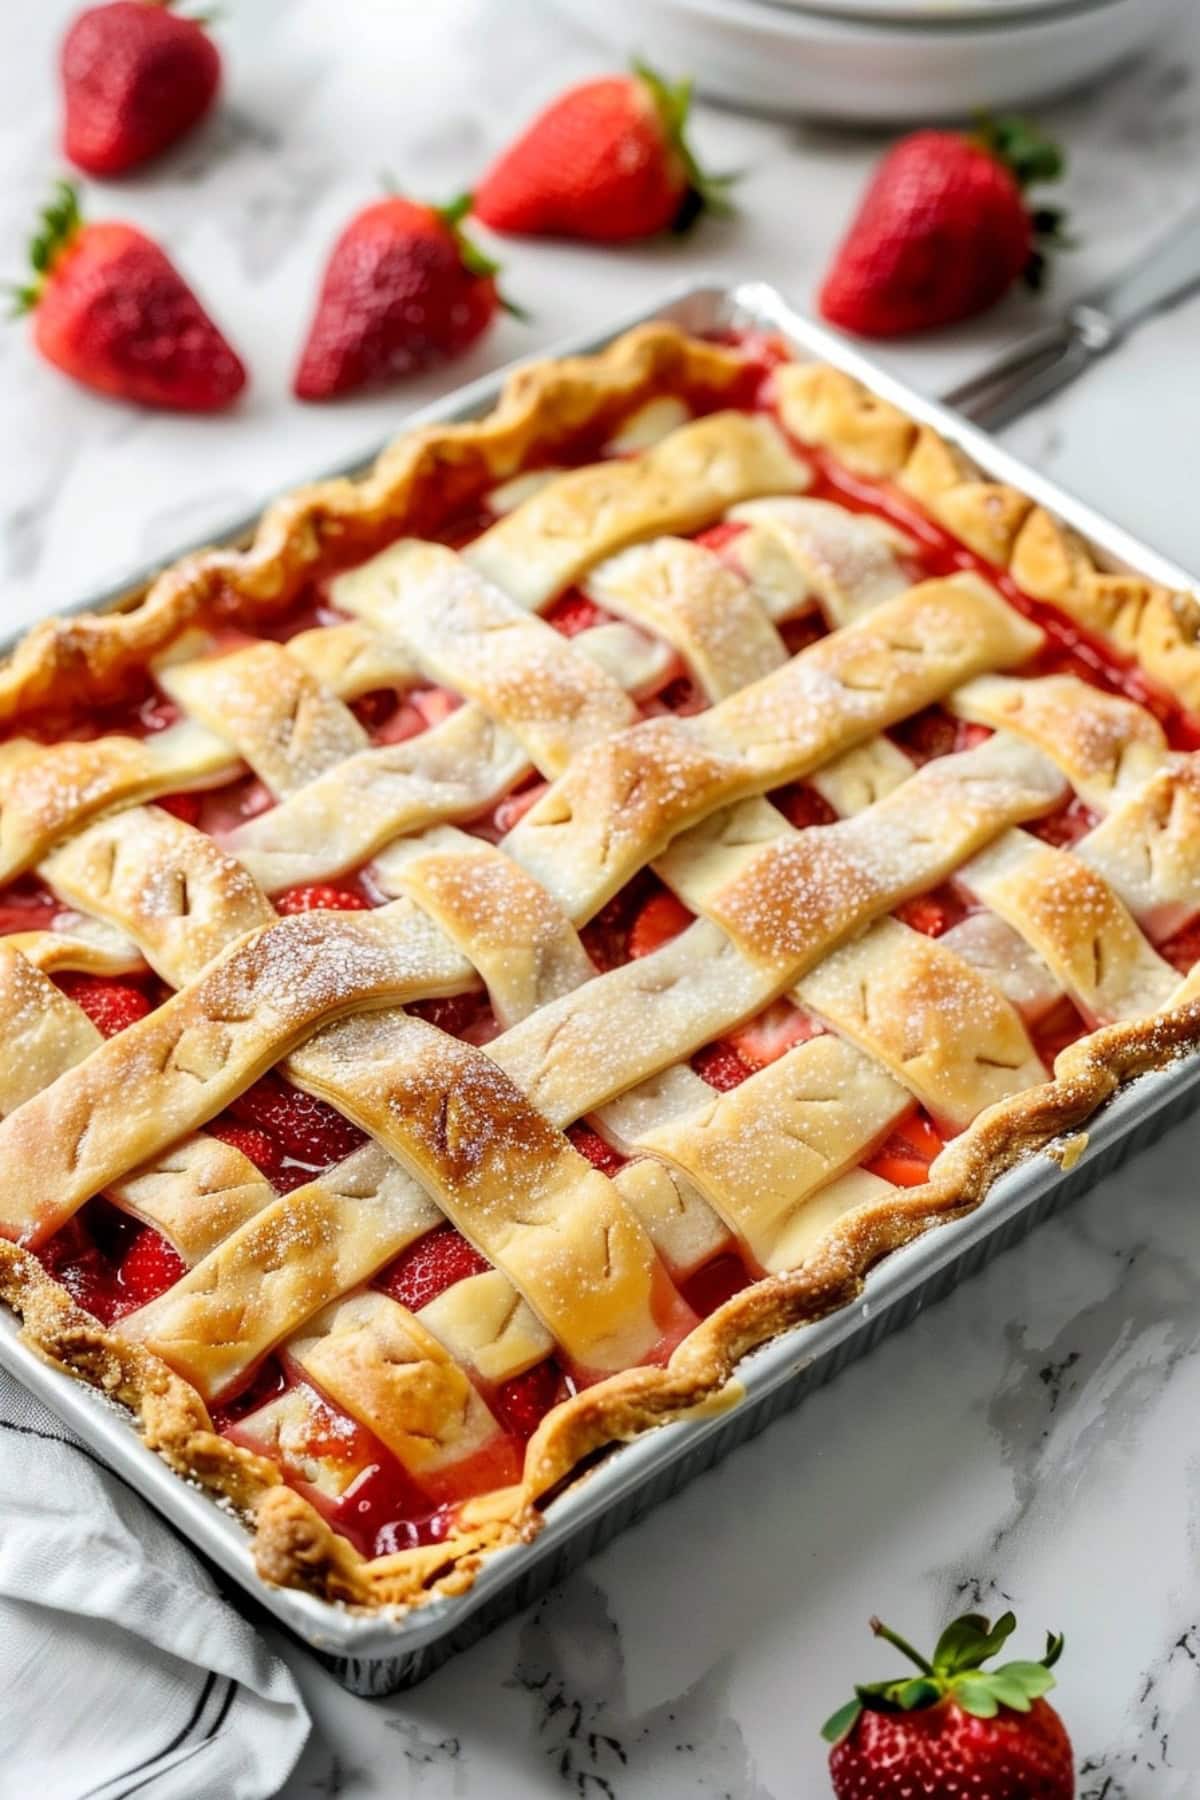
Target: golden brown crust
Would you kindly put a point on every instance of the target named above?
(322, 528)
(544, 405)
(1151, 625)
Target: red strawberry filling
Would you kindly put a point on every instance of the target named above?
(803, 806)
(320, 896)
(599, 1153)
(149, 1267)
(573, 612)
(680, 695)
(112, 1006)
(771, 1034)
(1066, 825)
(390, 717)
(310, 1134)
(720, 1065)
(263, 1151)
(904, 1157)
(1061, 1026)
(934, 913)
(1183, 950)
(662, 918)
(27, 904)
(430, 1266)
(110, 1262)
(798, 634)
(936, 733)
(523, 1402)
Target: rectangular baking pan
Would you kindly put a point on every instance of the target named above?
(377, 1654)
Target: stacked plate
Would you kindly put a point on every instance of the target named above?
(896, 61)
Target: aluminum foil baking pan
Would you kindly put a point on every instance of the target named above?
(378, 1653)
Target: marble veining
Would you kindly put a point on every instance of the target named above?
(1030, 1442)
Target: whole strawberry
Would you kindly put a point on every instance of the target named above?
(955, 1729)
(403, 289)
(135, 77)
(943, 230)
(112, 312)
(608, 160)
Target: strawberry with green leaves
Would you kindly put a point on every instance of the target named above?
(944, 229)
(112, 312)
(608, 160)
(955, 1728)
(404, 289)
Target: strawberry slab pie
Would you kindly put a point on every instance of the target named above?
(550, 916)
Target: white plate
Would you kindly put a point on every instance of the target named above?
(775, 58)
(931, 14)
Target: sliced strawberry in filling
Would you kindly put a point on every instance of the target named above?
(1182, 950)
(149, 1267)
(434, 704)
(771, 1034)
(720, 538)
(598, 1151)
(226, 808)
(388, 718)
(798, 634)
(1061, 1026)
(522, 1402)
(321, 896)
(427, 1268)
(680, 696)
(662, 918)
(183, 806)
(904, 1157)
(573, 612)
(74, 1258)
(461, 1015)
(392, 718)
(927, 735)
(1066, 825)
(933, 914)
(802, 806)
(720, 1065)
(260, 1149)
(715, 1282)
(606, 938)
(308, 1131)
(110, 1261)
(27, 904)
(111, 1005)
(514, 806)
(156, 713)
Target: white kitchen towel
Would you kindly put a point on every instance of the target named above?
(123, 1672)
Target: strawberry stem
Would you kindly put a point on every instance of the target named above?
(672, 102)
(898, 1643)
(1023, 148)
(956, 1673)
(474, 260)
(60, 219)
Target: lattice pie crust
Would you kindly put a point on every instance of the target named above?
(583, 1264)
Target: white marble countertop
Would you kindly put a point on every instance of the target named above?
(1032, 1440)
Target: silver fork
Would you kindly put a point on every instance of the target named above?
(1089, 329)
